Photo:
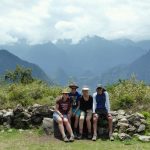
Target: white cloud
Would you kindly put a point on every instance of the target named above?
(43, 20)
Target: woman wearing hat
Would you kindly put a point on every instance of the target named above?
(101, 108)
(85, 103)
(74, 96)
(62, 109)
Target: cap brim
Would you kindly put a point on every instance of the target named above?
(71, 86)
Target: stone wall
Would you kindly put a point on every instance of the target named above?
(125, 125)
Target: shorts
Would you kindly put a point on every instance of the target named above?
(77, 113)
(56, 116)
(102, 113)
(84, 114)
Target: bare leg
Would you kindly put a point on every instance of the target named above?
(81, 121)
(61, 127)
(110, 123)
(76, 122)
(95, 119)
(68, 126)
(69, 118)
(88, 121)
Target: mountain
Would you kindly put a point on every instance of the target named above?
(98, 54)
(84, 61)
(9, 61)
(140, 68)
(145, 44)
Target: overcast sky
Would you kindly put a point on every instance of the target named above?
(40, 21)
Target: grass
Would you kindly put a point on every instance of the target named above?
(32, 140)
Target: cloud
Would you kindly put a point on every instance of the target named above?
(40, 21)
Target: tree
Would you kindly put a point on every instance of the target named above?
(19, 75)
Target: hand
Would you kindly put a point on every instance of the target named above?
(109, 115)
(61, 116)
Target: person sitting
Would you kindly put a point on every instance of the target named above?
(101, 108)
(74, 96)
(85, 104)
(62, 110)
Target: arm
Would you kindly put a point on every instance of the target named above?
(57, 110)
(91, 106)
(77, 106)
(107, 104)
(94, 102)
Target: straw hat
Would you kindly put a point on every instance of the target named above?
(65, 91)
(73, 85)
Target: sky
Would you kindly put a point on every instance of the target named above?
(39, 21)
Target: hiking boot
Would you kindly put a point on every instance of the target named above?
(75, 135)
(80, 136)
(71, 139)
(94, 138)
(89, 135)
(65, 139)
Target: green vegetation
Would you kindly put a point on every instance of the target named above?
(130, 95)
(19, 87)
(32, 140)
(27, 94)
(19, 75)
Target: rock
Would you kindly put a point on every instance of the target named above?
(115, 135)
(36, 105)
(9, 113)
(124, 136)
(39, 113)
(141, 128)
(121, 112)
(131, 129)
(47, 125)
(144, 138)
(120, 124)
(137, 123)
(114, 113)
(115, 130)
(18, 109)
(123, 120)
(140, 116)
(119, 117)
(131, 118)
(143, 121)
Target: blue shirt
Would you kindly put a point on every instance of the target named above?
(74, 99)
(101, 101)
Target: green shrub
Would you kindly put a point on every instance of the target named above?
(130, 94)
(28, 94)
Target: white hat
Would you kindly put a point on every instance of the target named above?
(85, 88)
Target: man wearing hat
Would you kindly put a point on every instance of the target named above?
(74, 96)
(62, 109)
(101, 108)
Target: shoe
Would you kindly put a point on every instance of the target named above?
(80, 136)
(65, 139)
(75, 135)
(71, 139)
(94, 138)
(89, 135)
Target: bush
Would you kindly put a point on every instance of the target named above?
(28, 94)
(130, 94)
